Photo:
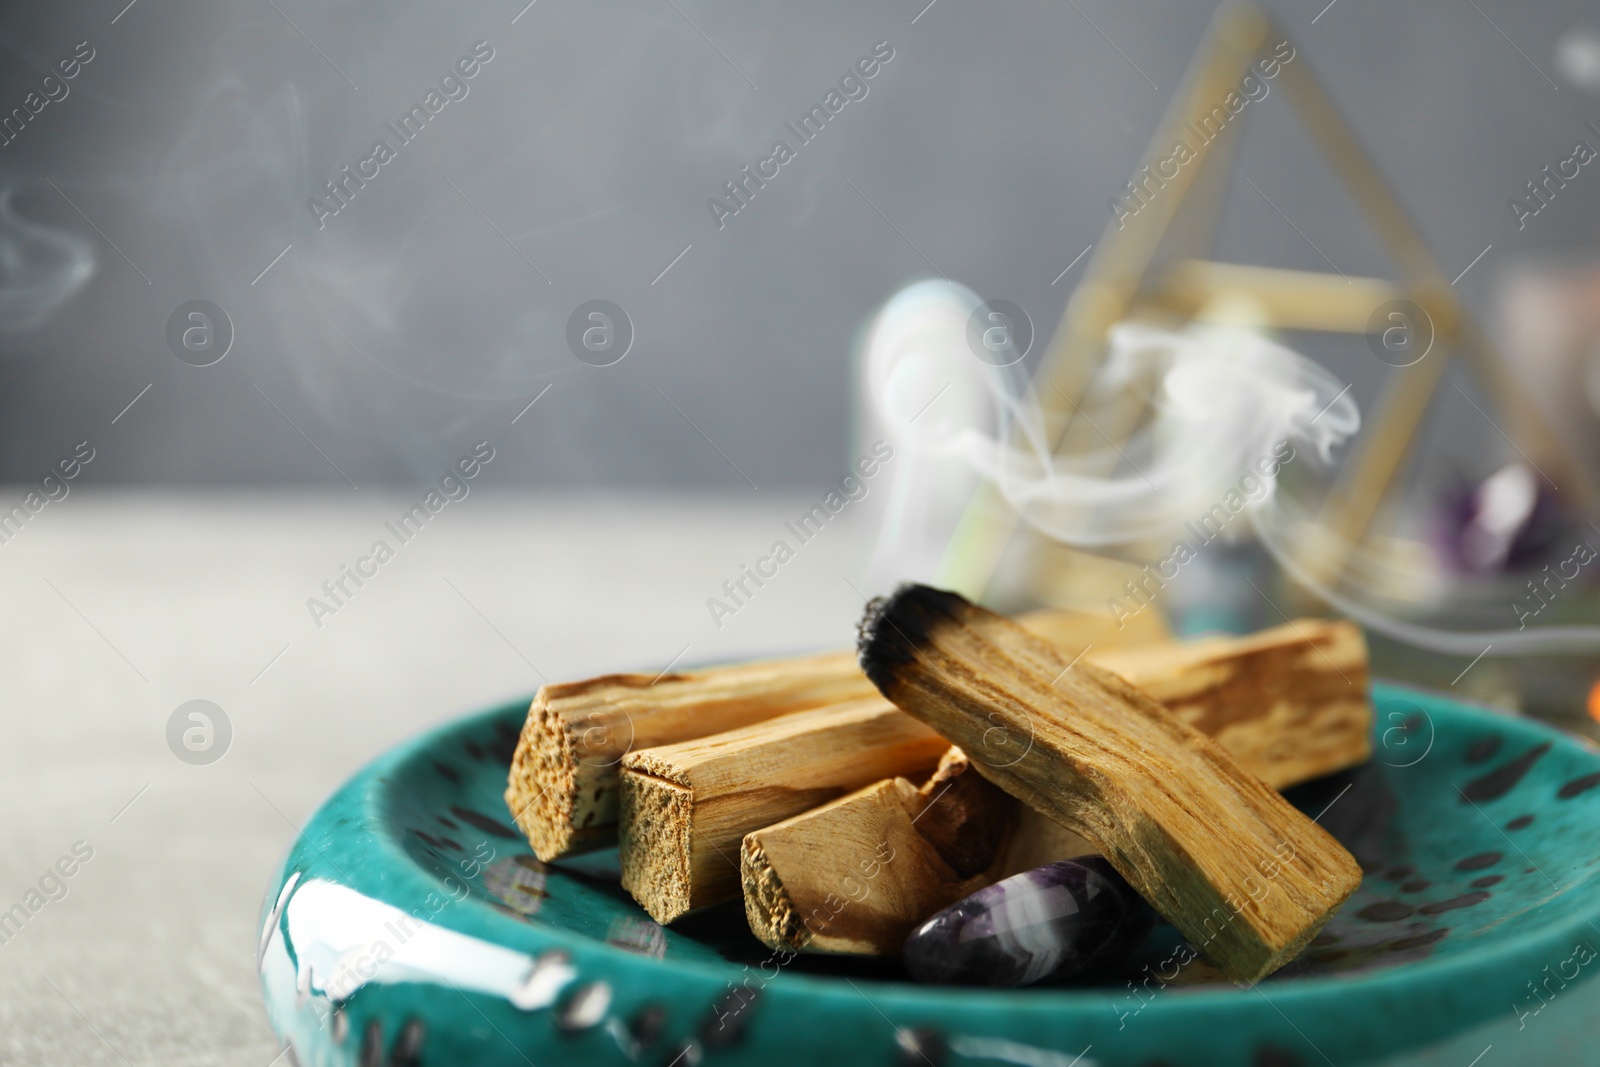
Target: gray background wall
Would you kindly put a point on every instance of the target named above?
(409, 327)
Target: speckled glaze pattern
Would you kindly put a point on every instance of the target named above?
(409, 924)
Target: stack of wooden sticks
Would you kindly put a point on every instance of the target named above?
(845, 818)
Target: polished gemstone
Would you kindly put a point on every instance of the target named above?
(1056, 921)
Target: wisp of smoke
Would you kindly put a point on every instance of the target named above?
(41, 268)
(1212, 403)
(1219, 399)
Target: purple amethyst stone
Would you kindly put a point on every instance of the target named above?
(1057, 921)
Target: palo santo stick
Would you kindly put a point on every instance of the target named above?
(562, 789)
(1289, 703)
(686, 807)
(1243, 875)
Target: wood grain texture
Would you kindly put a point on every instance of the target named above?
(685, 808)
(1243, 875)
(562, 787)
(1289, 703)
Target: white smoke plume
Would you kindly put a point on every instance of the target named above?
(1217, 400)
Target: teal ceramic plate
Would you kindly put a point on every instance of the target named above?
(410, 925)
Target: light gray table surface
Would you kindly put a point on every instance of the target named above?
(119, 607)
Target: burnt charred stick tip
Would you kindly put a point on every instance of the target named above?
(894, 627)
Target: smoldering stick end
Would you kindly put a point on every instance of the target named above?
(893, 628)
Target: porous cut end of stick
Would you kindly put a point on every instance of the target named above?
(541, 788)
(1243, 875)
(852, 877)
(1289, 703)
(768, 907)
(659, 876)
(562, 787)
(741, 780)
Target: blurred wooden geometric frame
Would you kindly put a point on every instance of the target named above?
(1123, 280)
